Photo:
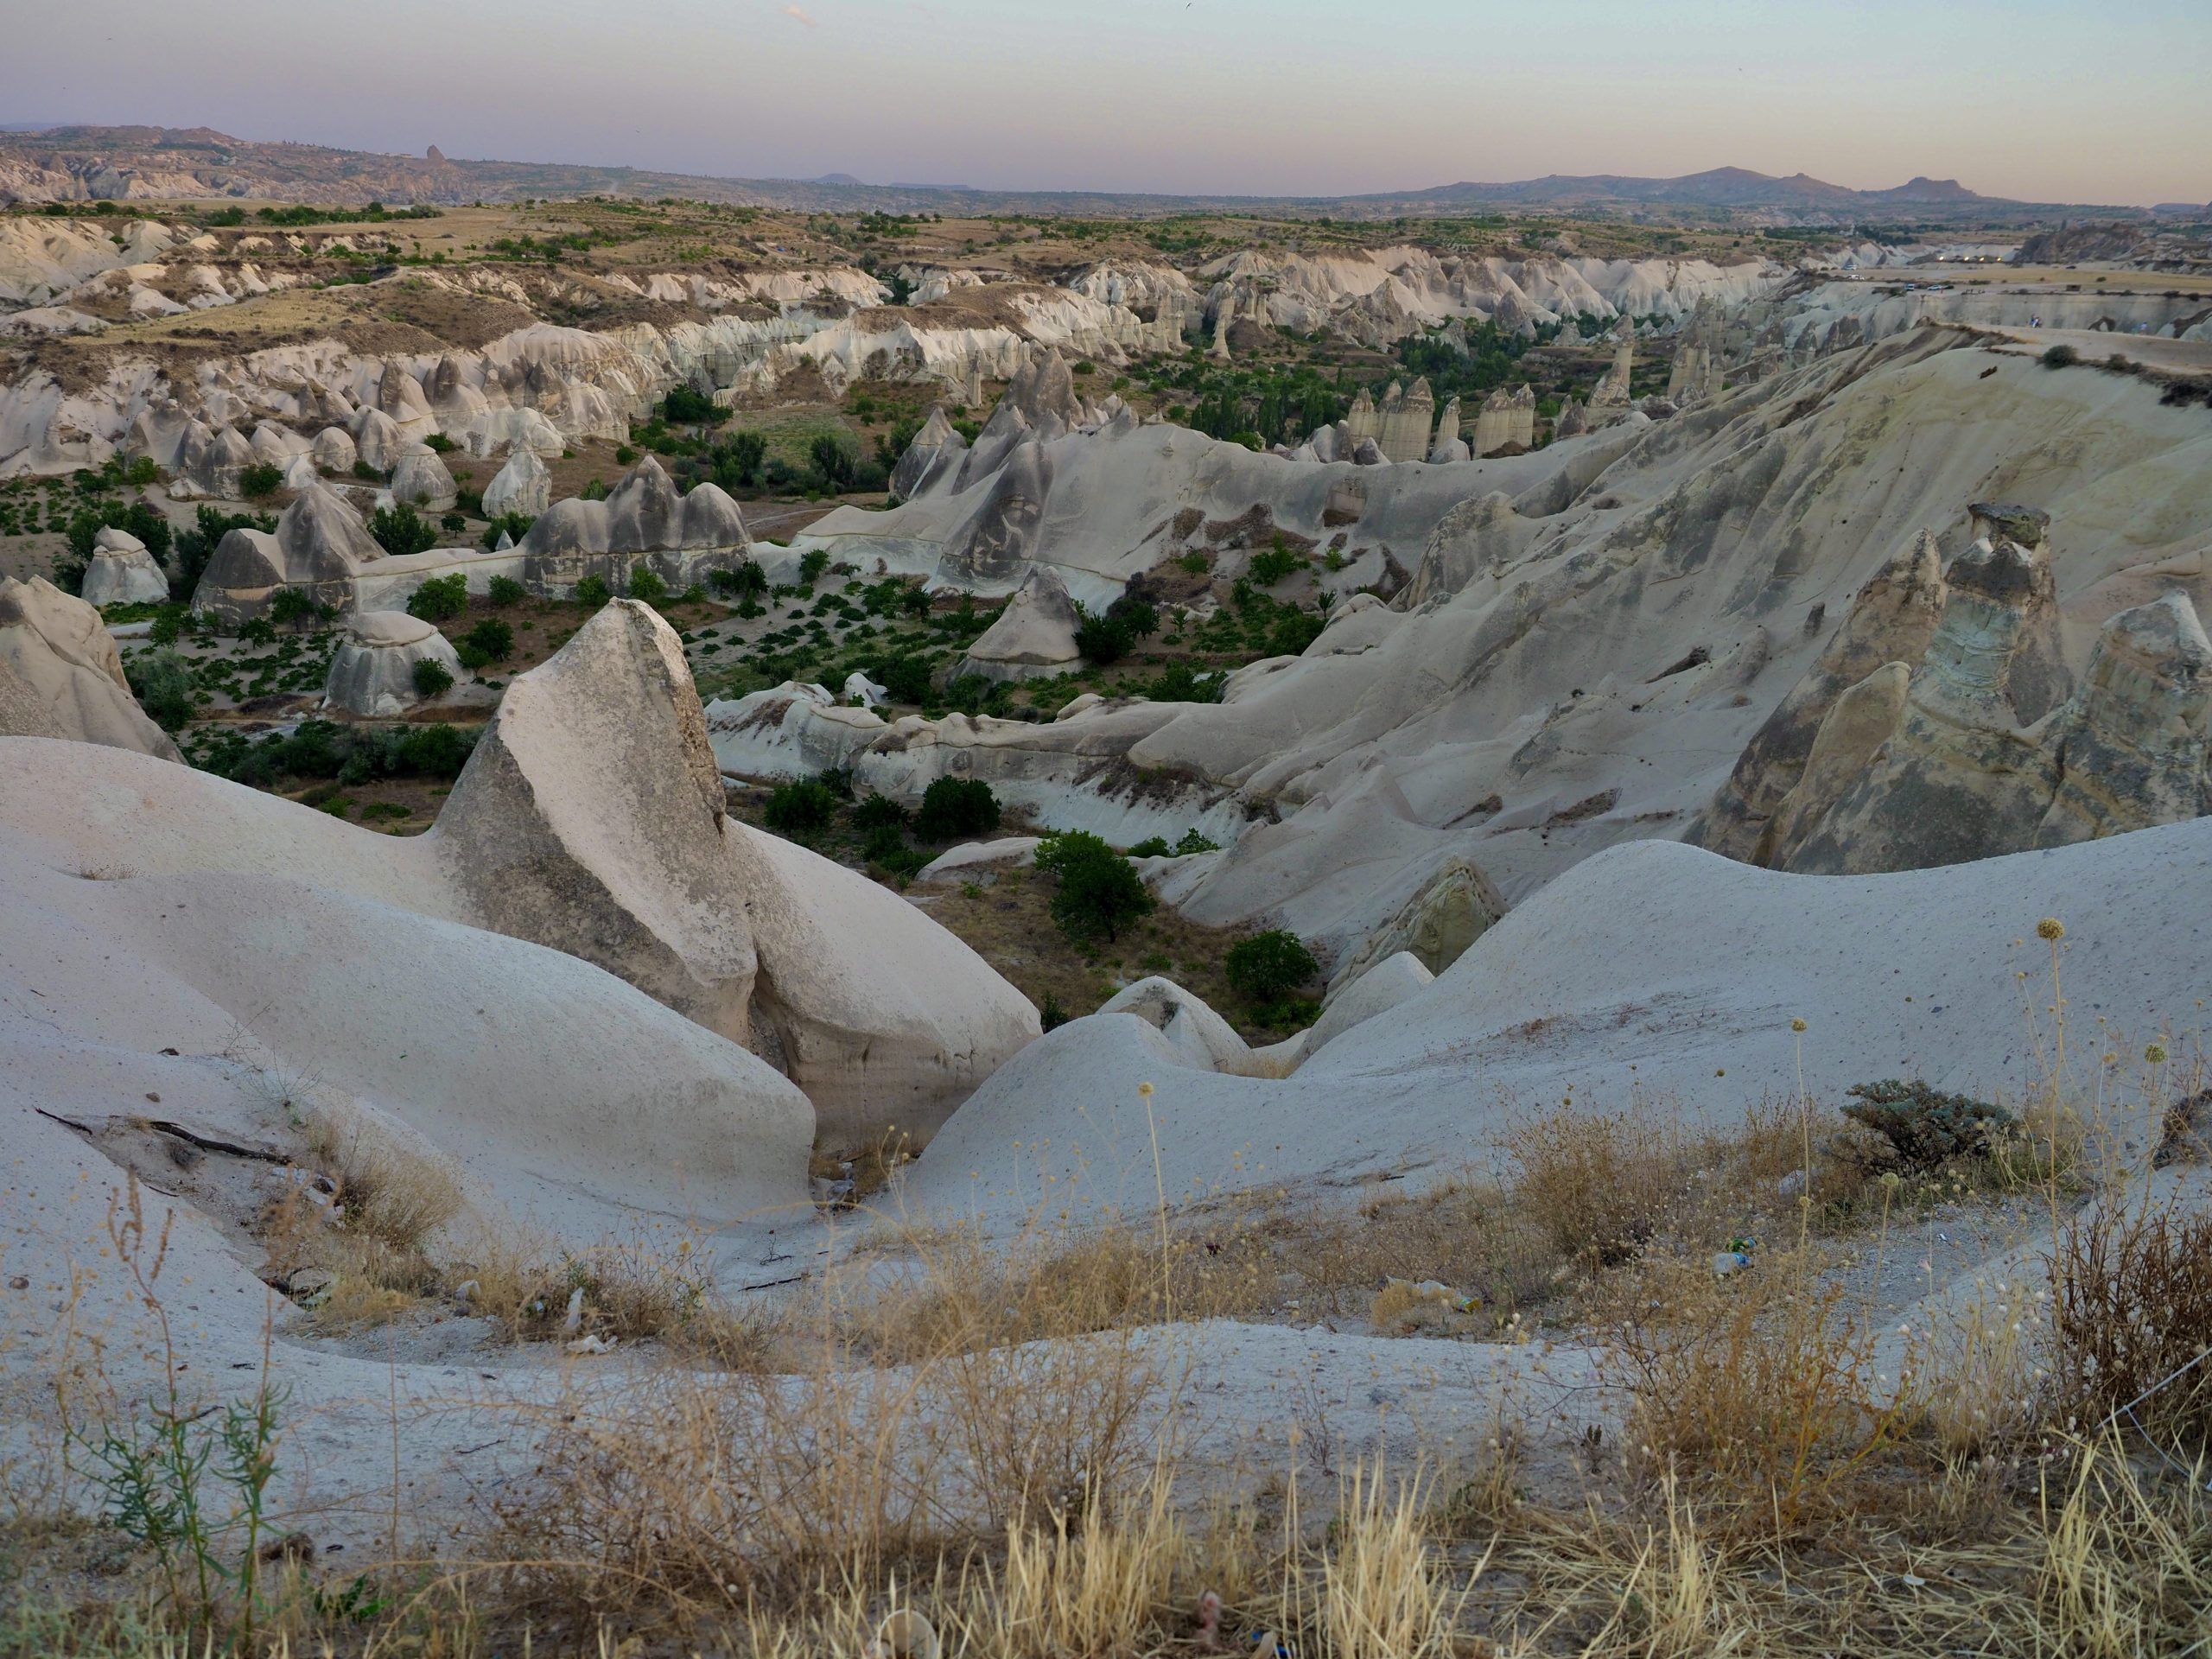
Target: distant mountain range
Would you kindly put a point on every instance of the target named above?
(166, 163)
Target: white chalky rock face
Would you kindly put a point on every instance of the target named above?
(60, 674)
(419, 479)
(1034, 636)
(643, 519)
(122, 572)
(372, 671)
(333, 450)
(591, 818)
(522, 486)
(319, 546)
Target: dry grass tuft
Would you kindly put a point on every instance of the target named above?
(2132, 1291)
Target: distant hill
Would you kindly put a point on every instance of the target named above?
(145, 163)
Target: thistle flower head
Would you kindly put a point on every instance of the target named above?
(2051, 928)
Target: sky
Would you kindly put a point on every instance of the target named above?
(2049, 100)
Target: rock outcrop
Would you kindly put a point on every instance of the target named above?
(419, 478)
(122, 572)
(1034, 636)
(1611, 391)
(936, 446)
(642, 521)
(372, 671)
(319, 546)
(60, 674)
(522, 485)
(1450, 910)
(590, 817)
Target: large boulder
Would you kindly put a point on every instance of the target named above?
(333, 451)
(522, 485)
(1034, 636)
(319, 546)
(372, 671)
(1452, 908)
(122, 572)
(643, 519)
(419, 478)
(590, 817)
(60, 674)
(378, 438)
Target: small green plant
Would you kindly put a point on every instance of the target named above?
(1276, 562)
(685, 407)
(440, 599)
(1050, 1015)
(433, 679)
(504, 591)
(593, 591)
(401, 530)
(1926, 1127)
(1269, 966)
(595, 490)
(801, 808)
(811, 564)
(2059, 357)
(747, 581)
(289, 607)
(648, 586)
(163, 684)
(878, 811)
(264, 478)
(952, 807)
(491, 640)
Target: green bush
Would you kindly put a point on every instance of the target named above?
(878, 811)
(1099, 890)
(1150, 847)
(801, 808)
(163, 684)
(352, 755)
(401, 530)
(624, 454)
(1109, 638)
(1926, 1127)
(748, 579)
(504, 591)
(263, 478)
(289, 607)
(644, 585)
(440, 599)
(1183, 684)
(1269, 966)
(735, 462)
(594, 591)
(515, 525)
(906, 678)
(952, 807)
(2059, 357)
(1276, 562)
(685, 407)
(1050, 1015)
(194, 547)
(835, 464)
(433, 679)
(492, 640)
(811, 564)
(595, 490)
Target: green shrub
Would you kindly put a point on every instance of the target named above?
(595, 490)
(262, 478)
(648, 586)
(593, 590)
(290, 605)
(2059, 357)
(514, 526)
(1183, 684)
(400, 530)
(163, 684)
(952, 807)
(801, 808)
(1150, 847)
(685, 407)
(748, 579)
(141, 473)
(433, 679)
(811, 564)
(438, 443)
(878, 811)
(504, 591)
(440, 599)
(735, 463)
(1275, 564)
(1099, 890)
(1050, 1015)
(259, 630)
(493, 638)
(907, 679)
(1269, 966)
(194, 547)
(835, 464)
(1109, 638)
(1193, 842)
(1926, 1127)
(624, 454)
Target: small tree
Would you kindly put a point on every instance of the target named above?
(834, 464)
(801, 808)
(644, 585)
(1269, 966)
(289, 607)
(440, 599)
(593, 590)
(264, 478)
(400, 530)
(952, 807)
(492, 640)
(504, 591)
(2059, 357)
(685, 407)
(162, 684)
(1099, 889)
(433, 679)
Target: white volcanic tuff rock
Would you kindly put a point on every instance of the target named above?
(1675, 582)
(937, 442)
(524, 485)
(643, 518)
(319, 546)
(1653, 969)
(377, 440)
(373, 670)
(43, 258)
(1034, 636)
(1849, 313)
(372, 1016)
(419, 479)
(61, 677)
(122, 572)
(590, 817)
